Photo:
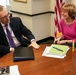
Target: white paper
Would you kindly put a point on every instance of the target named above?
(45, 53)
(14, 70)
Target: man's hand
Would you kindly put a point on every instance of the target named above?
(34, 44)
(12, 49)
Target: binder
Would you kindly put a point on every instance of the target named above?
(23, 53)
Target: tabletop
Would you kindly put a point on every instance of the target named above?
(42, 65)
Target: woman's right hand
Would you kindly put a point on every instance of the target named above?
(57, 40)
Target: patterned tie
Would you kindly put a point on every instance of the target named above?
(11, 41)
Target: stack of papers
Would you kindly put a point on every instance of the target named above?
(56, 51)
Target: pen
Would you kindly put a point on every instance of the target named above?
(58, 49)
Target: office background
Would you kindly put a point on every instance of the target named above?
(37, 15)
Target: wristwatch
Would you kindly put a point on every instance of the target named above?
(66, 42)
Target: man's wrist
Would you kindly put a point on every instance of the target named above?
(32, 40)
(11, 49)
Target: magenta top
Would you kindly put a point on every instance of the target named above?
(68, 31)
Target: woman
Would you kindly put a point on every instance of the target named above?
(68, 25)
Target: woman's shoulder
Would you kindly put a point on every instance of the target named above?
(74, 21)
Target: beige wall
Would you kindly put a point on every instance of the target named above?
(22, 7)
(52, 24)
(41, 26)
(71, 1)
(27, 21)
(39, 6)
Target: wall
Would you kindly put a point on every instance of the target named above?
(41, 26)
(39, 6)
(41, 23)
(38, 24)
(22, 7)
(52, 24)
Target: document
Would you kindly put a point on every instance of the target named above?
(9, 70)
(56, 51)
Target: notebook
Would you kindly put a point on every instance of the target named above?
(23, 53)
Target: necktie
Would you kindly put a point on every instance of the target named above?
(11, 41)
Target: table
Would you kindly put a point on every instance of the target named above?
(43, 65)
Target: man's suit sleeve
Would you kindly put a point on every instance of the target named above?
(4, 50)
(25, 31)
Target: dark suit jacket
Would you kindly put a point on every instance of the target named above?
(19, 29)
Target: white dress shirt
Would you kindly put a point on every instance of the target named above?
(17, 43)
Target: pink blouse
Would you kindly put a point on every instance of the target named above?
(68, 31)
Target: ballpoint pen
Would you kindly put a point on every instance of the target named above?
(57, 49)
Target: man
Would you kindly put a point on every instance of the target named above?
(17, 31)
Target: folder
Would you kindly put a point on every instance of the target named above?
(58, 49)
(23, 53)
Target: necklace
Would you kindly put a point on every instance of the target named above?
(69, 22)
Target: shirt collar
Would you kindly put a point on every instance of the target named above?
(3, 25)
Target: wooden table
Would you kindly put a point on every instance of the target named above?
(43, 65)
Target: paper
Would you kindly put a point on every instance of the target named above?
(9, 70)
(14, 70)
(50, 52)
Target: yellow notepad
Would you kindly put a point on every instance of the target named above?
(58, 49)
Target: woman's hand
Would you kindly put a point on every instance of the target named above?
(64, 41)
(61, 42)
(57, 40)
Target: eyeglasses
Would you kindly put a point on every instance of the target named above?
(6, 16)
